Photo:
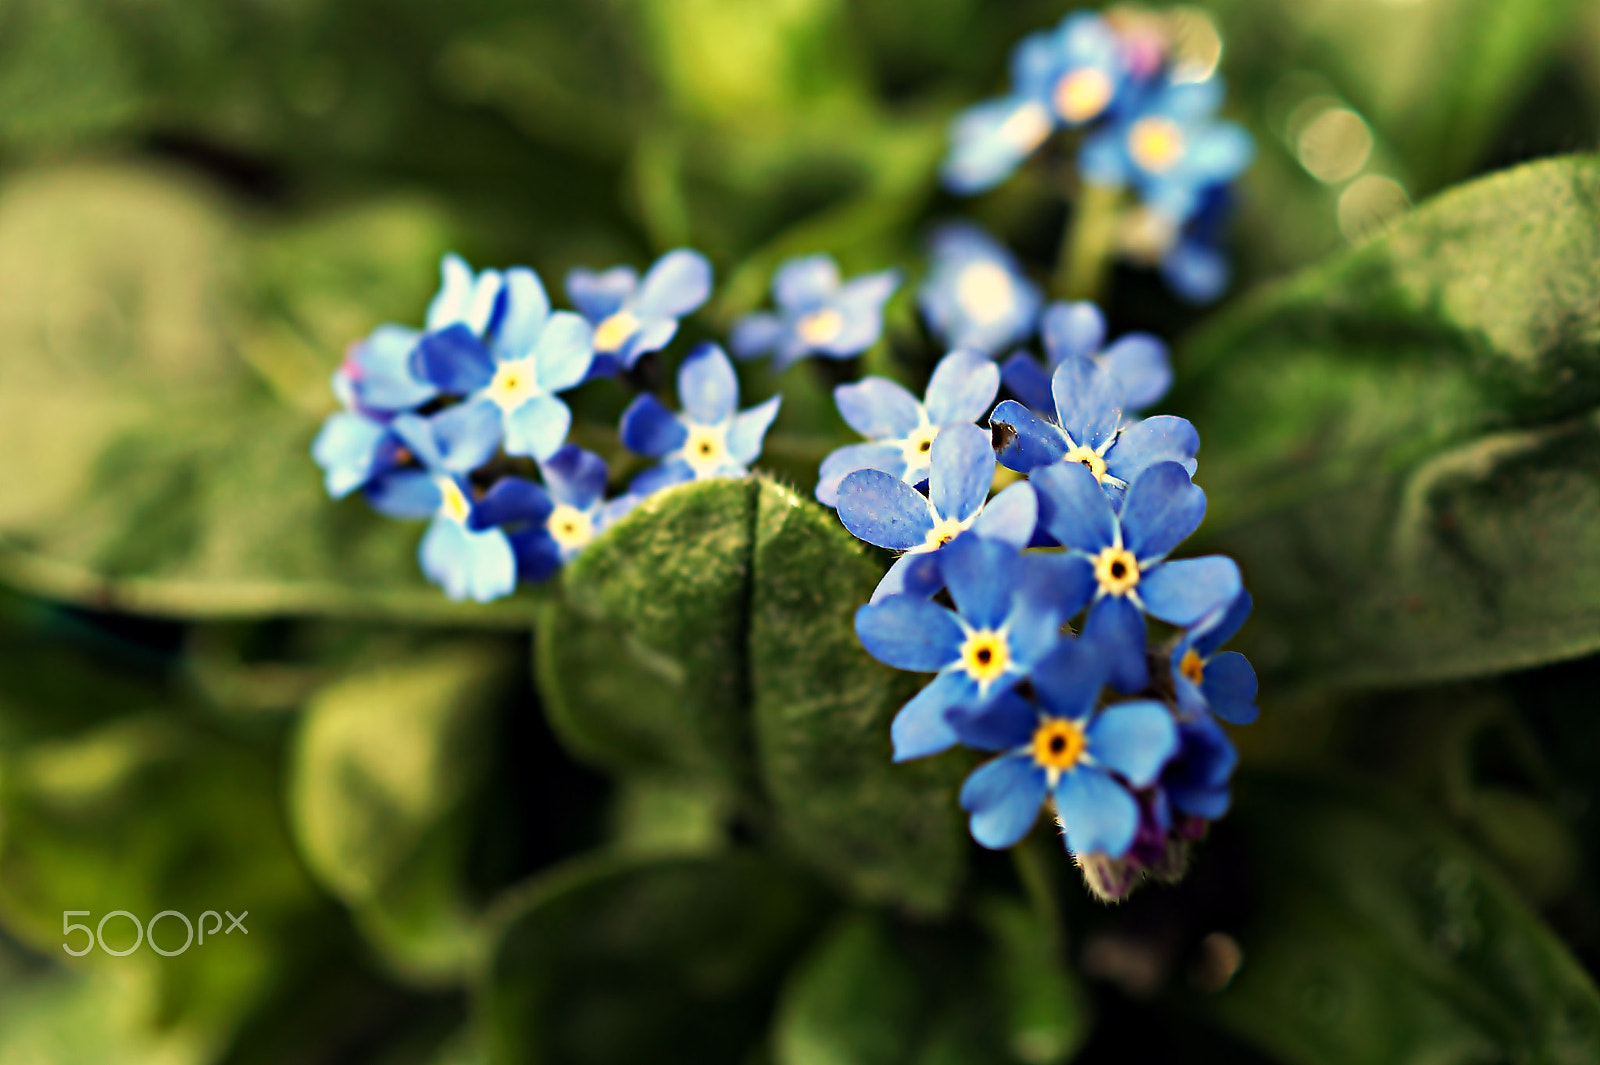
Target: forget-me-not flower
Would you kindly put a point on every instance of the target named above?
(882, 509)
(1065, 749)
(711, 438)
(1090, 431)
(901, 431)
(975, 296)
(1067, 77)
(1121, 560)
(551, 523)
(632, 318)
(1137, 361)
(468, 563)
(817, 315)
(1223, 684)
(1196, 783)
(511, 382)
(1006, 619)
(1194, 265)
(373, 383)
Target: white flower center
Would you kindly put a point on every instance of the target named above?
(944, 530)
(515, 382)
(571, 528)
(985, 293)
(453, 502)
(614, 331)
(917, 448)
(1026, 127)
(820, 327)
(1082, 94)
(706, 449)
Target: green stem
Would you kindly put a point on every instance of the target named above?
(1087, 244)
(1039, 884)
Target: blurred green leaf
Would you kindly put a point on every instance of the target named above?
(1402, 447)
(710, 635)
(854, 1001)
(625, 961)
(1377, 937)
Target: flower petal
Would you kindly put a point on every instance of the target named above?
(909, 633)
(917, 575)
(1142, 368)
(1029, 382)
(878, 408)
(707, 387)
(1089, 401)
(801, 284)
(575, 477)
(841, 462)
(1073, 508)
(468, 565)
(452, 360)
(1003, 796)
(660, 477)
(963, 470)
(1135, 739)
(1182, 591)
(1230, 688)
(1116, 627)
(511, 499)
(1164, 438)
(1072, 330)
(1057, 585)
(755, 334)
(1067, 681)
(538, 555)
(467, 435)
(1008, 722)
(1217, 628)
(346, 447)
(962, 388)
(563, 351)
(649, 428)
(679, 282)
(538, 428)
(1010, 516)
(527, 311)
(404, 494)
(920, 729)
(982, 578)
(384, 381)
(1027, 442)
(598, 296)
(1163, 507)
(990, 139)
(1099, 815)
(749, 429)
(652, 336)
(883, 510)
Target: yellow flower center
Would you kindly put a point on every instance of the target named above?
(615, 331)
(943, 531)
(1026, 127)
(706, 449)
(1089, 459)
(1117, 570)
(569, 527)
(918, 447)
(453, 502)
(1192, 667)
(985, 655)
(1156, 144)
(515, 382)
(820, 327)
(984, 291)
(1082, 94)
(1058, 744)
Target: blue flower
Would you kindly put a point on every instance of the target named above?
(1005, 620)
(1223, 684)
(376, 377)
(468, 563)
(550, 524)
(901, 430)
(1068, 77)
(1137, 361)
(468, 302)
(975, 296)
(1089, 430)
(816, 314)
(1194, 266)
(882, 509)
(1119, 561)
(632, 318)
(1170, 148)
(511, 382)
(711, 438)
(1086, 760)
(1196, 782)
(352, 449)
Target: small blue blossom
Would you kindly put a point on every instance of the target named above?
(1223, 684)
(466, 302)
(1196, 782)
(901, 431)
(1065, 77)
(711, 438)
(511, 382)
(1089, 430)
(975, 295)
(1118, 563)
(1006, 619)
(882, 509)
(817, 315)
(376, 377)
(1063, 748)
(1170, 147)
(550, 524)
(352, 449)
(1194, 266)
(468, 563)
(1137, 361)
(632, 318)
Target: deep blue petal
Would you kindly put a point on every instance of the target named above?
(918, 575)
(962, 388)
(404, 494)
(509, 500)
(538, 428)
(467, 435)
(920, 729)
(1163, 507)
(1010, 516)
(1230, 688)
(1029, 382)
(1073, 508)
(1209, 803)
(537, 554)
(963, 470)
(468, 565)
(707, 387)
(1099, 815)
(844, 461)
(1182, 591)
(1067, 681)
(1116, 627)
(910, 633)
(982, 578)
(878, 408)
(1142, 368)
(1206, 757)
(1163, 438)
(453, 360)
(1003, 796)
(575, 477)
(649, 428)
(679, 282)
(598, 296)
(1089, 403)
(802, 284)
(882, 509)
(1008, 722)
(1134, 739)
(749, 429)
(1072, 330)
(1027, 442)
(1218, 628)
(1058, 583)
(1196, 271)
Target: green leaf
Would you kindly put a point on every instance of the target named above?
(622, 961)
(1378, 937)
(855, 1000)
(382, 771)
(1402, 446)
(710, 635)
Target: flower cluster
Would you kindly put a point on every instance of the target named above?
(986, 591)
(1148, 124)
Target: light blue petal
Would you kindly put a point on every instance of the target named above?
(1192, 100)
(416, 433)
(1117, 629)
(804, 283)
(882, 509)
(1197, 272)
(1003, 796)
(962, 388)
(649, 428)
(1135, 739)
(598, 296)
(345, 448)
(917, 575)
(1163, 507)
(844, 461)
(982, 578)
(989, 141)
(1182, 591)
(538, 428)
(1140, 364)
(1067, 681)
(963, 470)
(1102, 160)
(909, 633)
(468, 565)
(664, 476)
(878, 408)
(1027, 442)
(920, 728)
(1089, 403)
(749, 429)
(653, 335)
(575, 477)
(1099, 814)
(755, 334)
(1073, 508)
(382, 375)
(467, 435)
(707, 387)
(679, 282)
(527, 311)
(1221, 153)
(1230, 688)
(1010, 516)
(1164, 438)
(1072, 330)
(563, 352)
(404, 494)
(1008, 722)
